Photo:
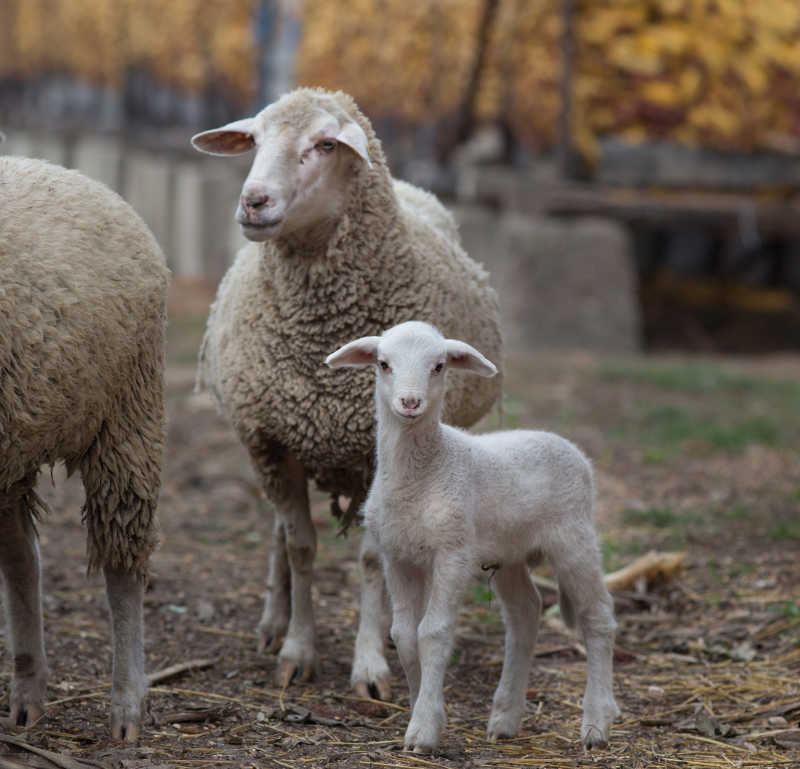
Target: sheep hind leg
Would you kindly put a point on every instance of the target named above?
(20, 568)
(277, 603)
(522, 606)
(370, 674)
(125, 593)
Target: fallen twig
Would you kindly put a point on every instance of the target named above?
(181, 667)
(59, 759)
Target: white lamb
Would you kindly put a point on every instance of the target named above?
(444, 502)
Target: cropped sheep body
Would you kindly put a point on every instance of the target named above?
(83, 288)
(82, 316)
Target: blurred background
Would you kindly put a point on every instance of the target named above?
(628, 170)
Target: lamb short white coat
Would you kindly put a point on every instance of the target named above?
(444, 503)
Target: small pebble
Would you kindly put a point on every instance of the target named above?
(777, 721)
(655, 692)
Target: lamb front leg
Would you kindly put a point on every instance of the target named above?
(125, 592)
(298, 655)
(370, 675)
(406, 586)
(19, 565)
(449, 576)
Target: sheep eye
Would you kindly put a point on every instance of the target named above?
(326, 145)
(384, 365)
(437, 369)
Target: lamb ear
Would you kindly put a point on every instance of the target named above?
(354, 137)
(231, 139)
(460, 355)
(357, 354)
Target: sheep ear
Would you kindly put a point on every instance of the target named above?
(353, 136)
(460, 355)
(362, 352)
(231, 139)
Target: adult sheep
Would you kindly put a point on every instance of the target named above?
(83, 289)
(339, 250)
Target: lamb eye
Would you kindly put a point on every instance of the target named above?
(384, 365)
(437, 369)
(326, 145)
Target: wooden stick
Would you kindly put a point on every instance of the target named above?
(181, 667)
(651, 566)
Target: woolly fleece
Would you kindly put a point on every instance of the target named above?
(283, 306)
(83, 288)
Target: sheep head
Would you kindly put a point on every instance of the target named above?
(307, 148)
(411, 360)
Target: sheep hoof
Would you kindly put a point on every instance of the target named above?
(379, 689)
(269, 643)
(289, 671)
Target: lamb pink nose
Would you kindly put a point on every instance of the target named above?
(410, 403)
(255, 201)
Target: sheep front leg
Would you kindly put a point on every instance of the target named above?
(125, 592)
(277, 603)
(450, 574)
(19, 564)
(298, 656)
(522, 606)
(370, 675)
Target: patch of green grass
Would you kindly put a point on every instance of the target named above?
(618, 553)
(789, 609)
(667, 428)
(785, 530)
(659, 517)
(698, 377)
(482, 594)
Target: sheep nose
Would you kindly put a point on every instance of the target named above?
(255, 201)
(411, 403)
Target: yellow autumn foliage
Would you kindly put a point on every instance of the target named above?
(719, 73)
(183, 43)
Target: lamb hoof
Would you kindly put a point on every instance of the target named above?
(503, 725)
(593, 737)
(379, 689)
(125, 731)
(25, 715)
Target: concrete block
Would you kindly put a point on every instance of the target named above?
(562, 283)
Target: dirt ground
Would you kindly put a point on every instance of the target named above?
(699, 455)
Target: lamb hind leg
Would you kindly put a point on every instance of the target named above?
(19, 564)
(580, 577)
(521, 608)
